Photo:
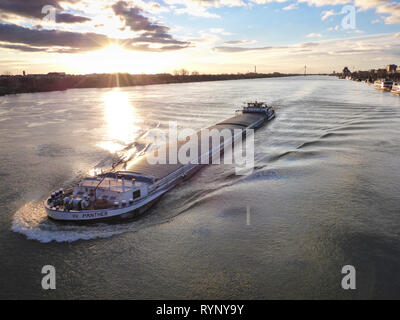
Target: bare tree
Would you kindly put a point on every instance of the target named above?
(183, 72)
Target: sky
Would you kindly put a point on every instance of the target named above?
(207, 36)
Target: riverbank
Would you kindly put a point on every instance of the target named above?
(57, 82)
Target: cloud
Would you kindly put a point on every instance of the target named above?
(73, 42)
(314, 35)
(220, 31)
(389, 7)
(293, 6)
(21, 48)
(321, 3)
(244, 49)
(369, 4)
(200, 8)
(363, 48)
(346, 52)
(305, 46)
(45, 38)
(33, 9)
(153, 7)
(193, 8)
(266, 1)
(239, 49)
(308, 44)
(392, 9)
(148, 48)
(236, 42)
(326, 14)
(134, 19)
(69, 18)
(149, 37)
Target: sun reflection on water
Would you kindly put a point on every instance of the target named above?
(120, 118)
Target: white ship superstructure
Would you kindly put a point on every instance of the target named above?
(383, 84)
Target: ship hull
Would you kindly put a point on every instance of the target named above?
(106, 214)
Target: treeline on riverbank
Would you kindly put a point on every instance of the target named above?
(55, 82)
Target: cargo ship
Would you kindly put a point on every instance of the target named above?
(129, 189)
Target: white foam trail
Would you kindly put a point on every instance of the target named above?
(31, 220)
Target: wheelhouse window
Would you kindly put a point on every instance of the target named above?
(136, 194)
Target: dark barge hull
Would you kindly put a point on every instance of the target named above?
(159, 171)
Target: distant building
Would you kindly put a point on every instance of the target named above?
(381, 73)
(346, 72)
(391, 68)
(363, 74)
(23, 73)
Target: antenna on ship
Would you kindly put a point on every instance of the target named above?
(255, 69)
(305, 70)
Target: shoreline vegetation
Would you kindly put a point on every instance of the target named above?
(55, 81)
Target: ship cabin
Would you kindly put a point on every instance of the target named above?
(256, 107)
(112, 189)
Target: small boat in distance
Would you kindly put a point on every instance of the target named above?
(383, 84)
(396, 88)
(131, 187)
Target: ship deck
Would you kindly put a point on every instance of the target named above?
(159, 171)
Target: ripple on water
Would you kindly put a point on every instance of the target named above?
(296, 155)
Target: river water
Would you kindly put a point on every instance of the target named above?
(324, 193)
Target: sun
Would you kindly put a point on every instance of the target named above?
(115, 58)
(114, 52)
(112, 58)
